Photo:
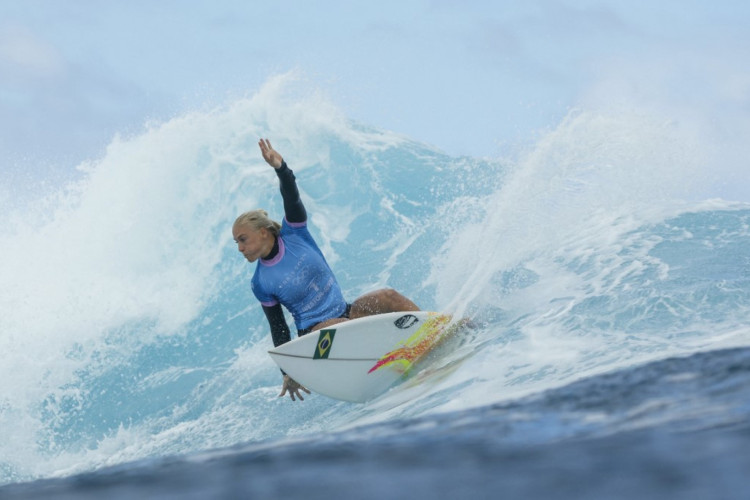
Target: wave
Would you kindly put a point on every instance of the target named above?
(128, 329)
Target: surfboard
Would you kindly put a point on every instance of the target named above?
(360, 359)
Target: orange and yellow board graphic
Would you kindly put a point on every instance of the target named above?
(408, 352)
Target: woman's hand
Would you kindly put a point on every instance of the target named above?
(272, 157)
(293, 387)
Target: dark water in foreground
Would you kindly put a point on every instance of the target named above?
(674, 428)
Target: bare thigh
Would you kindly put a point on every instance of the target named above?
(381, 301)
(328, 322)
(377, 302)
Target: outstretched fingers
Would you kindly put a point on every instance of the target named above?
(271, 156)
(293, 388)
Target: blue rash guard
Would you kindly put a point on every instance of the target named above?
(299, 278)
(295, 272)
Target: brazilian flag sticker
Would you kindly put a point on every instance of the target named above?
(325, 341)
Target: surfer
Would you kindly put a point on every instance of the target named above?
(292, 271)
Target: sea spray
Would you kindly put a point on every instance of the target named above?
(129, 329)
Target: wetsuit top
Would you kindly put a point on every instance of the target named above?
(295, 274)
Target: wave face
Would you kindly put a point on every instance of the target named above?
(129, 331)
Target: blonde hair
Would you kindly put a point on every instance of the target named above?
(258, 219)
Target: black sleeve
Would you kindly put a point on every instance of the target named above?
(294, 210)
(279, 329)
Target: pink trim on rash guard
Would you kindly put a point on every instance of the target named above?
(278, 256)
(295, 224)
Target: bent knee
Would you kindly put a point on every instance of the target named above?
(390, 294)
(381, 301)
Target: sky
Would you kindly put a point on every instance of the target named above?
(467, 77)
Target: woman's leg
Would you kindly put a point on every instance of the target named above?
(379, 302)
(328, 323)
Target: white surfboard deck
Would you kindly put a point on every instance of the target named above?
(360, 359)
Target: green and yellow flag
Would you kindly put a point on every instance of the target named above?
(325, 340)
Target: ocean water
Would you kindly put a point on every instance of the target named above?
(606, 264)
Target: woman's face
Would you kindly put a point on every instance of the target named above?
(252, 243)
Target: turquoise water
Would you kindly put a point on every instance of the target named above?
(128, 330)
